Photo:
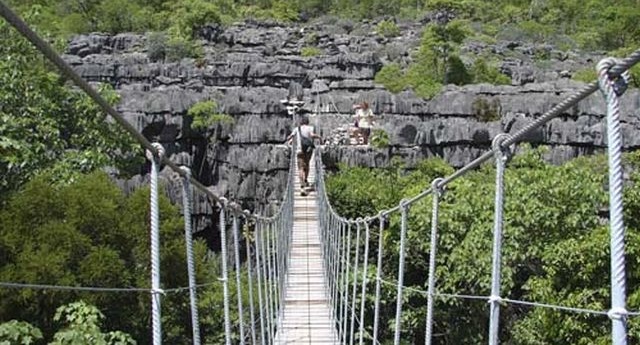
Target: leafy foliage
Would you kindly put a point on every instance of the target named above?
(45, 125)
(310, 51)
(205, 115)
(88, 233)
(388, 28)
(19, 333)
(391, 77)
(82, 323)
(379, 138)
(555, 248)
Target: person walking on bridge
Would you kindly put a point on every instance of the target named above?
(304, 134)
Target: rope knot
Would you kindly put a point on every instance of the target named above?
(437, 187)
(617, 83)
(155, 156)
(617, 313)
(497, 144)
(158, 292)
(494, 298)
(186, 170)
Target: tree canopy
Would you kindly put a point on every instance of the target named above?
(555, 249)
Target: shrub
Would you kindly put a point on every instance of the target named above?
(586, 75)
(388, 28)
(456, 72)
(486, 110)
(379, 138)
(157, 46)
(484, 73)
(205, 115)
(310, 51)
(390, 76)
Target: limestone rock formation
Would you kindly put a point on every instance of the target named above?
(249, 67)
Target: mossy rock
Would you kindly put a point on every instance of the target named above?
(486, 110)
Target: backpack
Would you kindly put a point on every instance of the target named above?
(306, 144)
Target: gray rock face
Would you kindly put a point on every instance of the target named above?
(248, 68)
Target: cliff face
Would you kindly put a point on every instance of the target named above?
(248, 68)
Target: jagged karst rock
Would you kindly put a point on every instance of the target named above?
(249, 67)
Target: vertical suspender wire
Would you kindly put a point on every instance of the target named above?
(494, 299)
(437, 193)
(155, 246)
(236, 245)
(252, 314)
(376, 313)
(326, 239)
(261, 302)
(225, 273)
(611, 89)
(269, 261)
(274, 274)
(186, 211)
(403, 235)
(343, 235)
(355, 283)
(363, 294)
(346, 285)
(265, 282)
(335, 271)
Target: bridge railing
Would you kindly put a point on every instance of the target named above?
(346, 248)
(267, 246)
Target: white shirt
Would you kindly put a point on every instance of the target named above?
(305, 131)
(364, 117)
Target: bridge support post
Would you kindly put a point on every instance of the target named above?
(612, 87)
(502, 155)
(156, 292)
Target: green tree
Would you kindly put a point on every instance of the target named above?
(19, 332)
(45, 125)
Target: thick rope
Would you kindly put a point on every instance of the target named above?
(618, 312)
(261, 302)
(346, 285)
(156, 323)
(376, 313)
(186, 211)
(236, 250)
(494, 299)
(225, 275)
(403, 234)
(252, 314)
(363, 293)
(355, 284)
(435, 186)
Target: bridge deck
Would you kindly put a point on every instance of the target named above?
(306, 318)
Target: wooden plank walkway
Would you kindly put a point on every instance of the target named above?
(306, 318)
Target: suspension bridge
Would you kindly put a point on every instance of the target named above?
(307, 266)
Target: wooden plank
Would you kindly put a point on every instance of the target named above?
(306, 318)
